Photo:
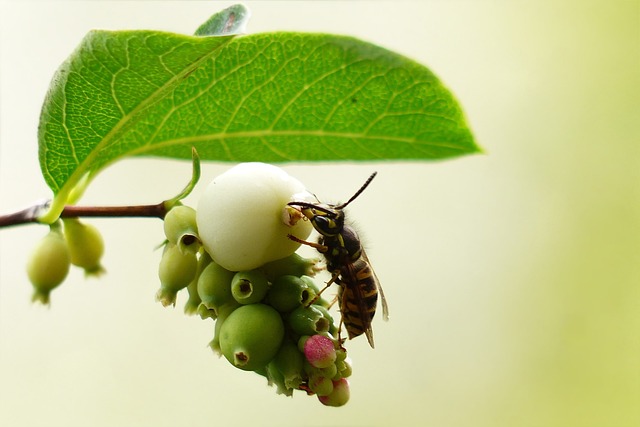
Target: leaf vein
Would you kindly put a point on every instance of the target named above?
(306, 88)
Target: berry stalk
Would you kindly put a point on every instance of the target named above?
(32, 213)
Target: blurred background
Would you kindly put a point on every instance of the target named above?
(512, 277)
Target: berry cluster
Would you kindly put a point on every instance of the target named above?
(69, 242)
(241, 270)
(269, 320)
(235, 258)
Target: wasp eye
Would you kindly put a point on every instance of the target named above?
(324, 225)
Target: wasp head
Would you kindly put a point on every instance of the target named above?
(326, 219)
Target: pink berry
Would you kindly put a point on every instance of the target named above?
(320, 351)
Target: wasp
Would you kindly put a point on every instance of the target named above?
(348, 264)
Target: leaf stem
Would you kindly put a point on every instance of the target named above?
(31, 214)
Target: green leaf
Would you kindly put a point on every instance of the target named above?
(271, 97)
(102, 92)
(231, 20)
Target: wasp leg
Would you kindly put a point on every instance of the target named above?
(318, 246)
(340, 339)
(334, 278)
(335, 300)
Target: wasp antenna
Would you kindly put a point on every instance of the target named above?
(307, 205)
(364, 186)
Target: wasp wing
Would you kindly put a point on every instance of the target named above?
(359, 298)
(383, 300)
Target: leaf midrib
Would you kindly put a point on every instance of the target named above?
(298, 133)
(126, 120)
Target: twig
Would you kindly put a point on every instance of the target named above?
(32, 213)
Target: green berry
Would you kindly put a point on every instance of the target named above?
(181, 229)
(194, 301)
(308, 321)
(339, 396)
(311, 283)
(251, 336)
(214, 286)
(344, 369)
(276, 378)
(333, 329)
(86, 245)
(328, 372)
(320, 385)
(313, 288)
(177, 269)
(289, 361)
(249, 287)
(288, 293)
(49, 265)
(206, 313)
(221, 314)
(294, 265)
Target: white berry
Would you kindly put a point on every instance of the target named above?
(243, 218)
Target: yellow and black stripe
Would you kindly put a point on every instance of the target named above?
(359, 298)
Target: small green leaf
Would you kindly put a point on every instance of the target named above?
(271, 97)
(231, 20)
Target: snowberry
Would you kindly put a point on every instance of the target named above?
(339, 396)
(181, 229)
(243, 218)
(320, 351)
(308, 320)
(177, 269)
(194, 301)
(322, 386)
(49, 265)
(86, 245)
(294, 265)
(251, 336)
(288, 293)
(289, 362)
(214, 286)
(249, 287)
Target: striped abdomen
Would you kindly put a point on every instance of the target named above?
(358, 298)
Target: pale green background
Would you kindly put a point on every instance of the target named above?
(512, 277)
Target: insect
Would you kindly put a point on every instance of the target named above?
(348, 264)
